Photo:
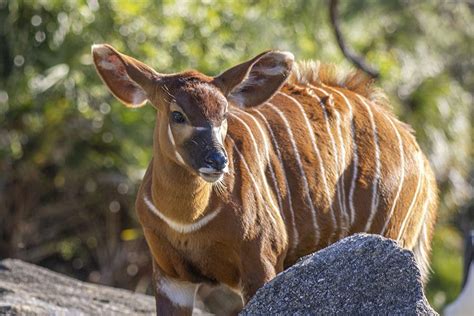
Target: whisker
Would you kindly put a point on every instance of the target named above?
(220, 187)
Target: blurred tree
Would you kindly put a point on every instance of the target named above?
(71, 157)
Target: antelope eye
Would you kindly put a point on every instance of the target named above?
(177, 117)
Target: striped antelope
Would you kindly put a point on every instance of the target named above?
(263, 164)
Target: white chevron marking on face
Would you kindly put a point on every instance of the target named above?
(173, 144)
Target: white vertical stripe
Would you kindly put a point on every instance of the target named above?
(339, 167)
(415, 196)
(260, 163)
(173, 144)
(355, 154)
(300, 167)
(267, 155)
(264, 138)
(318, 154)
(430, 198)
(376, 179)
(290, 203)
(252, 178)
(422, 221)
(424, 260)
(402, 175)
(343, 158)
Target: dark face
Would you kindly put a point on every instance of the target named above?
(192, 107)
(197, 126)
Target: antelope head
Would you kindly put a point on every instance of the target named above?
(192, 107)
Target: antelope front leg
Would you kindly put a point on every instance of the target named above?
(173, 297)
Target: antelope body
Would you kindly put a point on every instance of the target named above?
(261, 165)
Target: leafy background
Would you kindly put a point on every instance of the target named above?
(71, 157)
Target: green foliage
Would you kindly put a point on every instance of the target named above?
(446, 282)
(71, 156)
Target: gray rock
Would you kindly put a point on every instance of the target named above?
(359, 275)
(26, 289)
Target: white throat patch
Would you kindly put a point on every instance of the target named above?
(180, 227)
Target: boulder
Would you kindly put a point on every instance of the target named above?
(26, 289)
(359, 275)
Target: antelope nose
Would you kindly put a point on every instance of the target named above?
(216, 160)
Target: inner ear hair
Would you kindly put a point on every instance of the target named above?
(257, 80)
(129, 80)
(230, 78)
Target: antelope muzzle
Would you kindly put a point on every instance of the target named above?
(215, 165)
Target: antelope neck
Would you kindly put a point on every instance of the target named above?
(178, 194)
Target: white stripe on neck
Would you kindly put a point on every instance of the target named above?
(180, 227)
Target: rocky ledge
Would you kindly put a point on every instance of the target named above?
(26, 289)
(359, 275)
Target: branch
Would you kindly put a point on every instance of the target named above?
(348, 52)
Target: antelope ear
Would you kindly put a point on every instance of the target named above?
(257, 80)
(129, 80)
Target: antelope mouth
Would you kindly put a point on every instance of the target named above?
(211, 175)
